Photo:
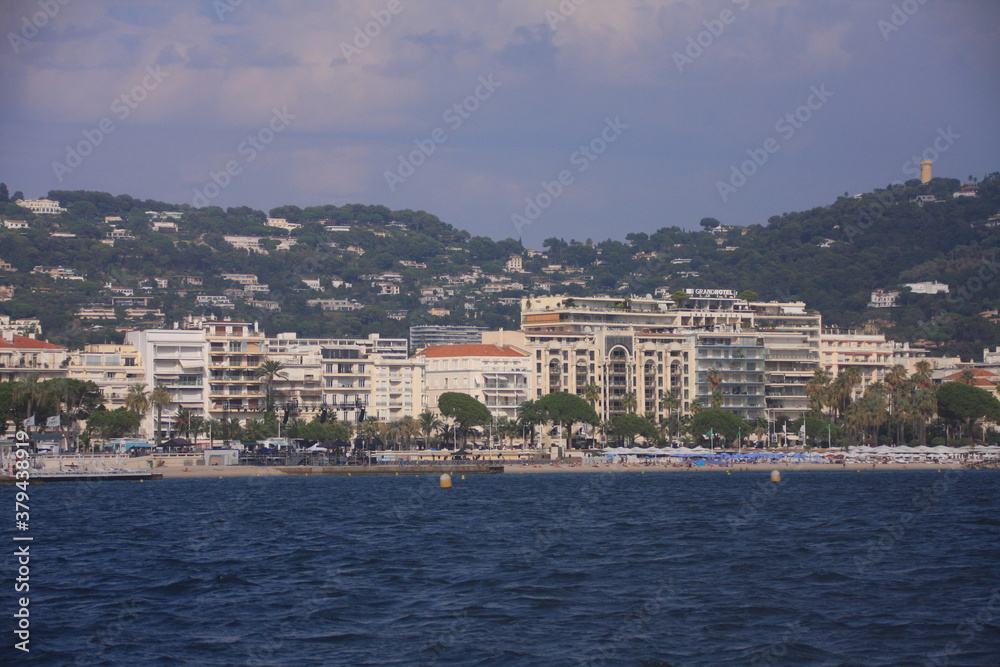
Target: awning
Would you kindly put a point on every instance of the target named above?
(192, 363)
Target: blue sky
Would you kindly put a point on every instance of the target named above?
(610, 117)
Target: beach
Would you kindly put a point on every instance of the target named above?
(170, 472)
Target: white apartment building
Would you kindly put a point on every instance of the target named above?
(282, 223)
(791, 337)
(41, 206)
(883, 298)
(177, 360)
(932, 287)
(500, 377)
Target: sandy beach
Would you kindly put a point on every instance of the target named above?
(172, 472)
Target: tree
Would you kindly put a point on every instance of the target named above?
(708, 224)
(108, 424)
(719, 423)
(896, 381)
(4, 193)
(629, 402)
(967, 377)
(29, 392)
(631, 425)
(960, 402)
(270, 370)
(680, 297)
(183, 422)
(214, 429)
(159, 398)
(592, 394)
(137, 399)
(566, 410)
(670, 401)
(465, 410)
(428, 424)
(816, 389)
(74, 399)
(714, 379)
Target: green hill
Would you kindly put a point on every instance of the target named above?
(830, 257)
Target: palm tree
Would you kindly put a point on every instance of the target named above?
(670, 401)
(968, 376)
(817, 389)
(895, 381)
(714, 379)
(198, 426)
(159, 398)
(137, 399)
(408, 427)
(922, 374)
(182, 421)
(428, 423)
(31, 392)
(270, 369)
(925, 403)
(214, 429)
(629, 402)
(592, 394)
(254, 429)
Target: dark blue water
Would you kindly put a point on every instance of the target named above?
(825, 568)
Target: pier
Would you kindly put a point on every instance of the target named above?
(397, 469)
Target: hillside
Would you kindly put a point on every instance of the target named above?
(128, 262)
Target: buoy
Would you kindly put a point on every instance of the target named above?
(445, 481)
(463, 476)
(775, 475)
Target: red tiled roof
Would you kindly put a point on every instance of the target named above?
(470, 350)
(29, 343)
(980, 377)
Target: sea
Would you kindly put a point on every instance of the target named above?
(625, 568)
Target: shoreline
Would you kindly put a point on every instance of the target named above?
(203, 472)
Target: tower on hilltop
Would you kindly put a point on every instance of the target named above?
(925, 170)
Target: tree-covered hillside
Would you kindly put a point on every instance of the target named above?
(830, 257)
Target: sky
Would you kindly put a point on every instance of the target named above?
(521, 119)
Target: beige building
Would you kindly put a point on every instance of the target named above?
(113, 368)
(871, 354)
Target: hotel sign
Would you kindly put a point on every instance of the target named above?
(712, 293)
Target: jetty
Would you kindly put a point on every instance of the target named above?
(98, 476)
(396, 469)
